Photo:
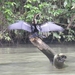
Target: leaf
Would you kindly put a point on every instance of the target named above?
(56, 35)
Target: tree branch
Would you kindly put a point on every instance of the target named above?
(72, 19)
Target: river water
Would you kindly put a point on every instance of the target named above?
(28, 60)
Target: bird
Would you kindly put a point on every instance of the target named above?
(34, 28)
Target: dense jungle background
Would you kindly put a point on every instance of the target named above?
(61, 12)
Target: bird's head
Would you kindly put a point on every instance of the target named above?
(35, 18)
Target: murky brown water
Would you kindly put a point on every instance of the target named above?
(29, 60)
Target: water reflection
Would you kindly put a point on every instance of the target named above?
(28, 60)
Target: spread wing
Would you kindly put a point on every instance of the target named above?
(20, 25)
(50, 26)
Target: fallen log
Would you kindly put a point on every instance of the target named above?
(56, 59)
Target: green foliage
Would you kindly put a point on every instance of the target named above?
(70, 36)
(7, 10)
(49, 9)
(1, 36)
(32, 9)
(6, 37)
(56, 36)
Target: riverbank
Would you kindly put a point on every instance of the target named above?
(29, 44)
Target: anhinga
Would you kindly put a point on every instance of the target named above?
(34, 29)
